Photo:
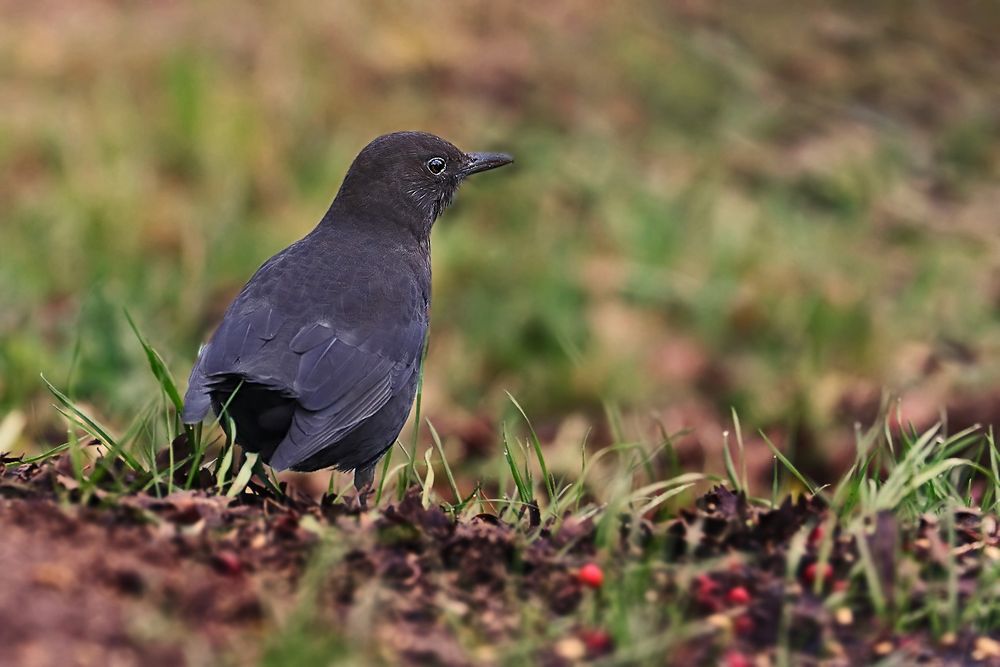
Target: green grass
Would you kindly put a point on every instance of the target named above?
(713, 185)
(909, 476)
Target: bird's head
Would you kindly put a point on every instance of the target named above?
(416, 173)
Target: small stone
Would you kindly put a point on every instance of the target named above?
(948, 639)
(985, 649)
(720, 621)
(52, 575)
(884, 648)
(844, 616)
(571, 648)
(485, 654)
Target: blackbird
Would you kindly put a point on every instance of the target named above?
(317, 359)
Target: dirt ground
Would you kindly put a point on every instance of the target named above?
(195, 578)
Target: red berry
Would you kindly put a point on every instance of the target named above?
(816, 534)
(706, 593)
(840, 585)
(706, 585)
(743, 625)
(590, 575)
(812, 572)
(738, 595)
(707, 596)
(736, 659)
(227, 562)
(598, 642)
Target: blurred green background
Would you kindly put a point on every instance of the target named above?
(782, 208)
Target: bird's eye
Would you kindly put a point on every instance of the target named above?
(436, 165)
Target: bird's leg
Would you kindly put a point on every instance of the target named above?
(363, 478)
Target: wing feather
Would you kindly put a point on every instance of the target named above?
(339, 375)
(336, 391)
(234, 346)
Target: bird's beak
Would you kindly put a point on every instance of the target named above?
(482, 161)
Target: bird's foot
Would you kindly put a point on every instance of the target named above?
(359, 503)
(364, 479)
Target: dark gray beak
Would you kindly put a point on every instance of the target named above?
(483, 161)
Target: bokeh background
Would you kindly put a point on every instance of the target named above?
(786, 209)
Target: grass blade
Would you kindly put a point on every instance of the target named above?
(159, 368)
(244, 475)
(727, 458)
(444, 462)
(425, 496)
(225, 465)
(94, 428)
(537, 444)
(788, 464)
(523, 492)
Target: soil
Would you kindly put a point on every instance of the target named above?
(195, 578)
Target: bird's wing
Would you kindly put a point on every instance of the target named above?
(234, 348)
(341, 381)
(339, 378)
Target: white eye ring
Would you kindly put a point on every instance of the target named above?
(436, 165)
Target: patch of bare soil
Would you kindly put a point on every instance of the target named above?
(140, 583)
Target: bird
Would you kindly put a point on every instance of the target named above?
(317, 359)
